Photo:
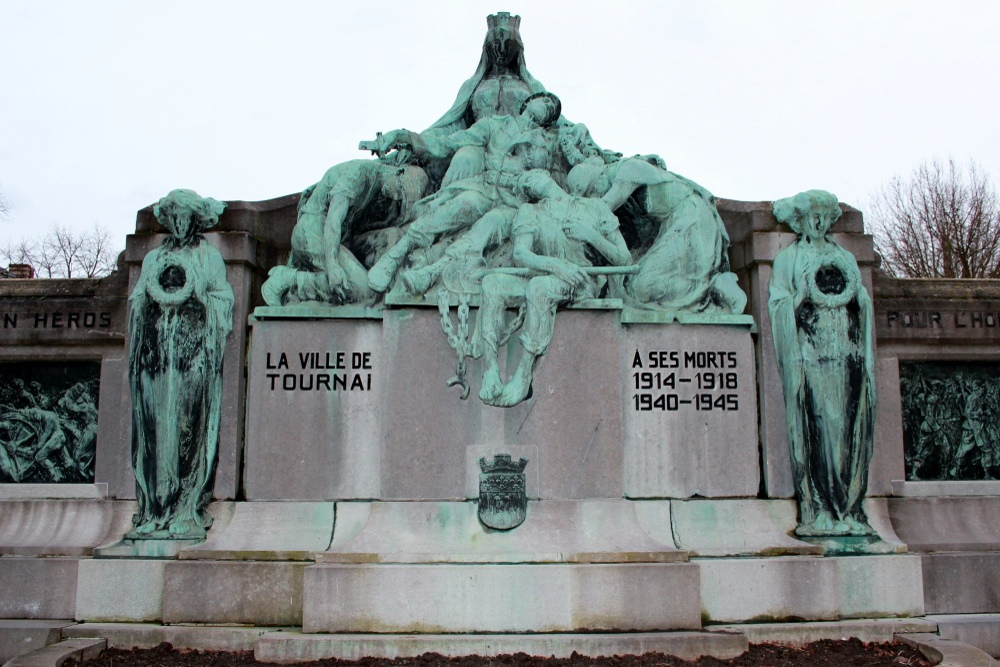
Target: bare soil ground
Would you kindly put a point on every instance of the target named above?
(826, 653)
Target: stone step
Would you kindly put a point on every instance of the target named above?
(289, 647)
(148, 635)
(798, 634)
(980, 630)
(949, 652)
(19, 636)
(55, 655)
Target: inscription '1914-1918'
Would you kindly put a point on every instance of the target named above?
(310, 371)
(675, 380)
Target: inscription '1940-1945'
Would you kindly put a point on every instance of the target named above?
(676, 379)
(311, 371)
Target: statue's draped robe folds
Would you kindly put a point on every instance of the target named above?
(824, 350)
(180, 315)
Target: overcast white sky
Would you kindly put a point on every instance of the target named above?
(106, 106)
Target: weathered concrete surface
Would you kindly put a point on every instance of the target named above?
(879, 586)
(23, 491)
(961, 583)
(947, 523)
(269, 531)
(59, 527)
(19, 636)
(796, 588)
(948, 652)
(120, 590)
(329, 437)
(289, 647)
(501, 598)
(744, 527)
(932, 489)
(38, 587)
(595, 531)
(979, 630)
(685, 450)
(55, 655)
(574, 416)
(798, 634)
(142, 635)
(789, 588)
(252, 593)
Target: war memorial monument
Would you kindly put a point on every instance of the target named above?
(495, 387)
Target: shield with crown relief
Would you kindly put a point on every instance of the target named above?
(503, 502)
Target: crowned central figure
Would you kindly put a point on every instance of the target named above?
(432, 214)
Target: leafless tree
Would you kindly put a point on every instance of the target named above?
(941, 222)
(64, 253)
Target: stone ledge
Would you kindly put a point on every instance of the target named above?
(69, 650)
(19, 636)
(979, 630)
(98, 491)
(905, 489)
(799, 634)
(146, 635)
(290, 647)
(948, 652)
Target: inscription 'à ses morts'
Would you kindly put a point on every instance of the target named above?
(310, 371)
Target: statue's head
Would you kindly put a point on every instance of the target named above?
(809, 214)
(544, 107)
(503, 45)
(185, 213)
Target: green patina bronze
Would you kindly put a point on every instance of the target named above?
(503, 499)
(821, 319)
(180, 314)
(951, 420)
(434, 214)
(48, 422)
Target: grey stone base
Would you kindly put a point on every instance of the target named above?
(798, 634)
(60, 526)
(980, 630)
(798, 588)
(141, 635)
(244, 592)
(68, 651)
(19, 636)
(129, 590)
(947, 523)
(948, 652)
(289, 647)
(38, 587)
(962, 583)
(581, 531)
(500, 598)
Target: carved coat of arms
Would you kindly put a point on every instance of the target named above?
(503, 503)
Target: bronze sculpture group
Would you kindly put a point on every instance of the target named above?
(504, 202)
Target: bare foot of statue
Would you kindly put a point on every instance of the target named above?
(856, 527)
(146, 528)
(180, 528)
(519, 386)
(492, 386)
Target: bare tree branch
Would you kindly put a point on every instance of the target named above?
(941, 222)
(64, 253)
